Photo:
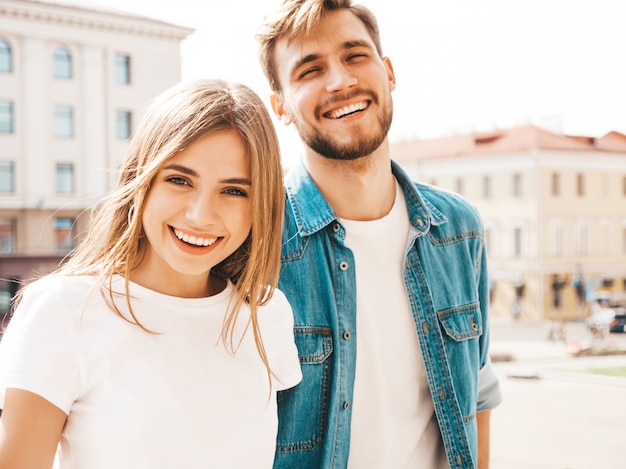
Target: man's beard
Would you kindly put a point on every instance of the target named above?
(362, 146)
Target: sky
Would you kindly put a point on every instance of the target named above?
(461, 65)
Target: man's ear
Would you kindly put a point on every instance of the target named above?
(278, 106)
(391, 76)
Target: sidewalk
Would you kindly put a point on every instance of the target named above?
(556, 413)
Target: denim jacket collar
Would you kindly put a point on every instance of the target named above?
(313, 213)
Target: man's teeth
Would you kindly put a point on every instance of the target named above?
(336, 114)
(193, 240)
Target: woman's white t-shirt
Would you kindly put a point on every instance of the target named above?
(173, 398)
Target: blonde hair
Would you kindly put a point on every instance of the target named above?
(298, 18)
(115, 245)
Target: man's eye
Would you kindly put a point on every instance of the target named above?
(308, 72)
(353, 57)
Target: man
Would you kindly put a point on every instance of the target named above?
(387, 278)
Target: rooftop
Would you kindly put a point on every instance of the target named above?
(512, 140)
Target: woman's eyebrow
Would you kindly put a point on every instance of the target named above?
(181, 168)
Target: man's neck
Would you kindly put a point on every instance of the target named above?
(362, 189)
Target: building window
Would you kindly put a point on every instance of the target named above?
(556, 184)
(487, 187)
(65, 178)
(517, 241)
(6, 116)
(122, 69)
(62, 63)
(517, 185)
(7, 235)
(458, 186)
(580, 184)
(6, 57)
(123, 125)
(581, 238)
(556, 238)
(606, 240)
(6, 177)
(63, 121)
(64, 230)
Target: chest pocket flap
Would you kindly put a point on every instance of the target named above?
(462, 322)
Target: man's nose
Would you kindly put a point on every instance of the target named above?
(340, 77)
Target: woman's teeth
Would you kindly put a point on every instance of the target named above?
(196, 241)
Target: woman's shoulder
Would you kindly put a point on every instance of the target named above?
(55, 282)
(279, 301)
(277, 309)
(59, 288)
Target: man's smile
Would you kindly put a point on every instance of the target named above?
(347, 110)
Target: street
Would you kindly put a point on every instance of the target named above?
(555, 414)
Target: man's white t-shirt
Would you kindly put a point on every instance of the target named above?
(174, 398)
(393, 419)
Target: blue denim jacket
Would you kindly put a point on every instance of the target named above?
(446, 278)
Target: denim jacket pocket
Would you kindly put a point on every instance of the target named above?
(462, 322)
(303, 409)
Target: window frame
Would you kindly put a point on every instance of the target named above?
(122, 69)
(7, 172)
(8, 235)
(556, 184)
(6, 56)
(64, 179)
(64, 234)
(62, 63)
(7, 116)
(123, 124)
(63, 123)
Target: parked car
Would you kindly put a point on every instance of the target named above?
(618, 323)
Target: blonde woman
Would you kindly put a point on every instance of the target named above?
(161, 343)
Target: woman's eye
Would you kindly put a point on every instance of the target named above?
(177, 180)
(236, 192)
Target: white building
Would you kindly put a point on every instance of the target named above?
(72, 85)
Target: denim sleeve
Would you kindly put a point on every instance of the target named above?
(489, 395)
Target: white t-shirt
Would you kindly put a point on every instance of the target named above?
(393, 419)
(172, 399)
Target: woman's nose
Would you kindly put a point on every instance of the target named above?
(201, 209)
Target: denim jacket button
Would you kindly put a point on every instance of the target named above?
(425, 326)
(419, 221)
(346, 335)
(336, 227)
(346, 404)
(343, 265)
